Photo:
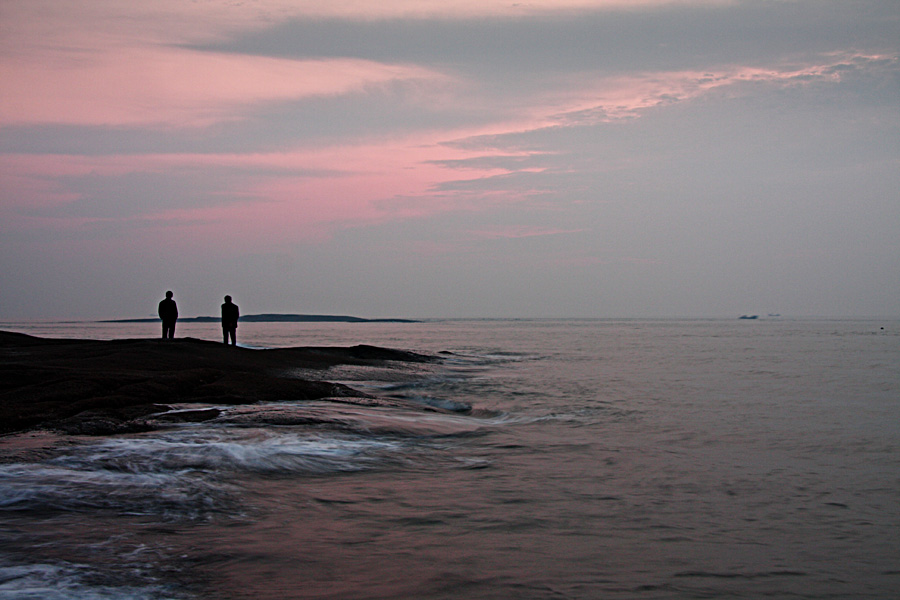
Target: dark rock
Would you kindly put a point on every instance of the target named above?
(102, 387)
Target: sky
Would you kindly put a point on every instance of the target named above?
(450, 158)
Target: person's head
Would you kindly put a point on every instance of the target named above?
(228, 299)
(169, 294)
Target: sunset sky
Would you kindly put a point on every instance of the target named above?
(450, 158)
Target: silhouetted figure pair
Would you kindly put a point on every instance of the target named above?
(230, 316)
(168, 312)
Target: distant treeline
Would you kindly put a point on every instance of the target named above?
(272, 318)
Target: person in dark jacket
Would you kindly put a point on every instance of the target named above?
(168, 312)
(230, 316)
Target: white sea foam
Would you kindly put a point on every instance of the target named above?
(223, 450)
(181, 474)
(43, 487)
(68, 581)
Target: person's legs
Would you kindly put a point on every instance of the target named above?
(233, 334)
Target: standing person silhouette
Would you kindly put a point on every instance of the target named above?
(168, 312)
(230, 316)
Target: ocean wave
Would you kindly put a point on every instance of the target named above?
(64, 581)
(383, 426)
(51, 488)
(184, 474)
(223, 450)
(486, 358)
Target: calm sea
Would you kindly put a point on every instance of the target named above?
(621, 459)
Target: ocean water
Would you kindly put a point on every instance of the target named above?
(619, 459)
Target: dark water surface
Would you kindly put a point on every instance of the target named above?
(600, 459)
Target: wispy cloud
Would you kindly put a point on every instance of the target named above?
(177, 88)
(593, 133)
(373, 180)
(618, 98)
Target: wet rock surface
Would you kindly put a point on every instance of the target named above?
(104, 387)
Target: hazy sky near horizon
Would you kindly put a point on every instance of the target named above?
(450, 158)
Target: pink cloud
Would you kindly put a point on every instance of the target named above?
(63, 60)
(174, 87)
(335, 187)
(308, 192)
(103, 62)
(172, 15)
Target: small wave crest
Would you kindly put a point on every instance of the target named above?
(226, 450)
(186, 474)
(420, 392)
(486, 358)
(385, 427)
(64, 581)
(48, 487)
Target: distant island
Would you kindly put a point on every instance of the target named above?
(271, 318)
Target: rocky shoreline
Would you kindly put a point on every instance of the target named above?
(93, 387)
